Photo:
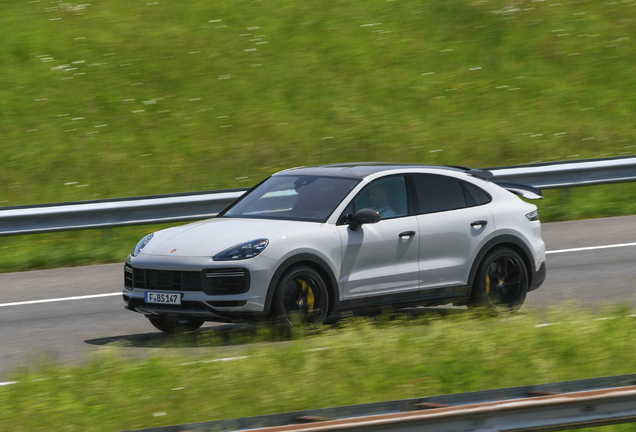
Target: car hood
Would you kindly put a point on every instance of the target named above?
(213, 236)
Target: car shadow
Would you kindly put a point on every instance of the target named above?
(245, 334)
(218, 335)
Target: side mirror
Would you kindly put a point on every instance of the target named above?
(364, 216)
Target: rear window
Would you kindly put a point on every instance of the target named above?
(438, 193)
(474, 195)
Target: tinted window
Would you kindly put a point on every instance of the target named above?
(474, 195)
(303, 198)
(387, 196)
(438, 193)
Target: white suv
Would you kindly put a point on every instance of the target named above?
(308, 243)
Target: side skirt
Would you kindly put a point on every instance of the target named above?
(429, 297)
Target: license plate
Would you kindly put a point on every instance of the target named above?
(162, 298)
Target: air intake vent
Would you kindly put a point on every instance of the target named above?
(128, 276)
(226, 281)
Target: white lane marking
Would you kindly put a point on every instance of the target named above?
(620, 245)
(215, 360)
(8, 383)
(59, 299)
(574, 322)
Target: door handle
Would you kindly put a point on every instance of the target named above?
(479, 224)
(407, 234)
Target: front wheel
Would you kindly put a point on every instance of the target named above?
(172, 324)
(301, 299)
(501, 282)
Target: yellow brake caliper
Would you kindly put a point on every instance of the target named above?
(310, 295)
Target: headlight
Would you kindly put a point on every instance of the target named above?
(533, 215)
(243, 251)
(142, 244)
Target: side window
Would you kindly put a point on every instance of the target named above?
(474, 195)
(437, 193)
(387, 196)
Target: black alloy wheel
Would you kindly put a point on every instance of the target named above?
(173, 324)
(301, 300)
(502, 281)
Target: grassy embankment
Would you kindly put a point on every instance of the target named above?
(133, 98)
(360, 362)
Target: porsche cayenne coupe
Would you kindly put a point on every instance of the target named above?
(309, 243)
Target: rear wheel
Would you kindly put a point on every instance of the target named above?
(301, 300)
(173, 324)
(501, 282)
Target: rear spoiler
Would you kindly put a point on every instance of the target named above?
(528, 192)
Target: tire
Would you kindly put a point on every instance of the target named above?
(501, 282)
(172, 324)
(301, 300)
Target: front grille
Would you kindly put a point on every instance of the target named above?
(212, 282)
(162, 280)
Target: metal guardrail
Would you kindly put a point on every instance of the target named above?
(201, 205)
(546, 407)
(570, 173)
(114, 213)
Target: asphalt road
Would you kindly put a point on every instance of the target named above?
(40, 319)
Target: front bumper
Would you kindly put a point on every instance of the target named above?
(219, 311)
(222, 294)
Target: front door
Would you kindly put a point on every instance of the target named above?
(381, 258)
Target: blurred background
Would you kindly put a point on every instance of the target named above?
(124, 98)
(121, 98)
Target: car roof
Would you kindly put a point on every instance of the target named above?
(361, 170)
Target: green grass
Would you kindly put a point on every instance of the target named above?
(125, 98)
(128, 98)
(360, 361)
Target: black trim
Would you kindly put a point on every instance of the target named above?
(445, 292)
(418, 297)
(407, 298)
(226, 303)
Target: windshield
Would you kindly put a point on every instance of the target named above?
(301, 198)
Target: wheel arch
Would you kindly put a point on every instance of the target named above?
(314, 262)
(504, 240)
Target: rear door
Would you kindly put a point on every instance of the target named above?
(453, 221)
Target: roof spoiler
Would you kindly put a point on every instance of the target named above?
(482, 174)
(525, 191)
(479, 173)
